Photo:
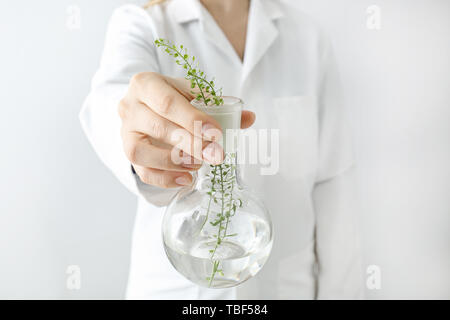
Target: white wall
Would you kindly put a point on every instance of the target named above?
(59, 206)
(397, 83)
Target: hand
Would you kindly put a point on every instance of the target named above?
(153, 110)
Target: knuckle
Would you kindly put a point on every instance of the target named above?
(144, 177)
(131, 152)
(123, 109)
(163, 181)
(138, 78)
(123, 134)
(158, 129)
(137, 83)
(158, 179)
(165, 104)
(167, 160)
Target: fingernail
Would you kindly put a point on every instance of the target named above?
(213, 153)
(182, 181)
(210, 132)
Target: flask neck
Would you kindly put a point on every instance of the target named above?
(228, 115)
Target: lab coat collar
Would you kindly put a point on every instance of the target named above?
(262, 32)
(261, 29)
(185, 10)
(189, 10)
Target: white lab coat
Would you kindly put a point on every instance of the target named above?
(288, 79)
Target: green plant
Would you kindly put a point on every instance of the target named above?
(207, 91)
(222, 177)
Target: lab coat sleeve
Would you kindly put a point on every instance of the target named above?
(128, 50)
(338, 248)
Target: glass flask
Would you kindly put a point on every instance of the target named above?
(216, 233)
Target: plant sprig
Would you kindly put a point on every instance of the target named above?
(222, 176)
(222, 186)
(208, 92)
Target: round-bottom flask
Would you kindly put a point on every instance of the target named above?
(216, 233)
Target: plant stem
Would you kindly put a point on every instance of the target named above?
(219, 239)
(190, 68)
(211, 195)
(192, 74)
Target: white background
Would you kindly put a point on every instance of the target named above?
(60, 206)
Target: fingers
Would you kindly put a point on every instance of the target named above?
(163, 179)
(144, 120)
(141, 152)
(156, 92)
(247, 119)
(147, 122)
(164, 136)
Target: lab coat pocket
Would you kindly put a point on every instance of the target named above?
(297, 124)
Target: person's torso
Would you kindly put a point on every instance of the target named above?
(278, 80)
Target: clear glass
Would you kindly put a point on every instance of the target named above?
(216, 233)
